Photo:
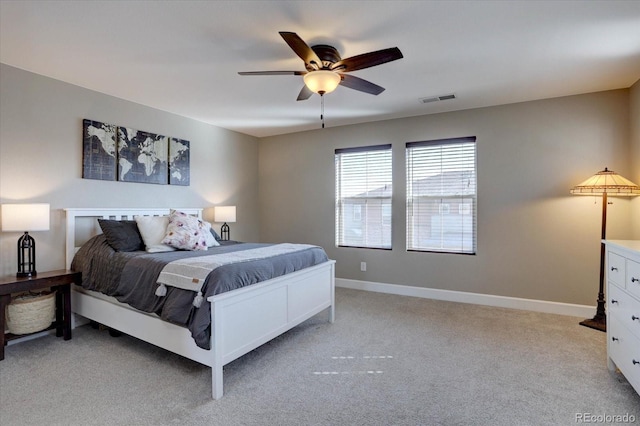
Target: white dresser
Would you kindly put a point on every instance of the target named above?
(623, 302)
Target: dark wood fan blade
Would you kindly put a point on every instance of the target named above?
(357, 83)
(305, 94)
(367, 60)
(272, 72)
(301, 48)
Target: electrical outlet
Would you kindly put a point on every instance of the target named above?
(363, 266)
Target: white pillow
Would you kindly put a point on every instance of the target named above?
(153, 229)
(211, 240)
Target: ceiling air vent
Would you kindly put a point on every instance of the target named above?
(430, 99)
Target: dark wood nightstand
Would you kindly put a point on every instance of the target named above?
(59, 281)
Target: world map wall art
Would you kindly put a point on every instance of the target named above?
(113, 152)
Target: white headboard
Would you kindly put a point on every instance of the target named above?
(72, 215)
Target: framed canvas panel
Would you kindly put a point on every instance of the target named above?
(178, 162)
(98, 150)
(142, 156)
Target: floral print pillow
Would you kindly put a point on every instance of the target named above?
(186, 232)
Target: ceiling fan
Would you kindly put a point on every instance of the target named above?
(325, 69)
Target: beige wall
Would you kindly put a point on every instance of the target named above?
(41, 161)
(634, 114)
(535, 240)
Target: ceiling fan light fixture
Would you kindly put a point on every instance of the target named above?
(322, 81)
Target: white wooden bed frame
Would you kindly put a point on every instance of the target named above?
(241, 319)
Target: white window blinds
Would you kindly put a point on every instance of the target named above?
(363, 197)
(441, 195)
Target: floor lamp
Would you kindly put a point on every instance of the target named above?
(604, 183)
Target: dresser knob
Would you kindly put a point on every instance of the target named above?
(634, 279)
(613, 301)
(614, 339)
(633, 318)
(635, 362)
(613, 268)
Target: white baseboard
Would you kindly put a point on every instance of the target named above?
(569, 309)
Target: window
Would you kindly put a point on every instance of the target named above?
(363, 197)
(441, 195)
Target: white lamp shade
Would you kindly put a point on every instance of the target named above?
(25, 217)
(225, 214)
(322, 81)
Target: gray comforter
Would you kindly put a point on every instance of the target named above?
(131, 278)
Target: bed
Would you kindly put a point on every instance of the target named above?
(240, 320)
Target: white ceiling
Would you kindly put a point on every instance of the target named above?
(183, 56)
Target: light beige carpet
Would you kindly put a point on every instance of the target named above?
(387, 360)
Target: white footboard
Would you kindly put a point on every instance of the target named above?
(246, 318)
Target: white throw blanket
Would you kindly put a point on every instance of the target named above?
(191, 273)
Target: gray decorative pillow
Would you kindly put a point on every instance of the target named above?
(122, 235)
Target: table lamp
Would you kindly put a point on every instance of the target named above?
(225, 214)
(25, 218)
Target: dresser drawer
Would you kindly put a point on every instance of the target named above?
(624, 350)
(616, 268)
(624, 308)
(633, 278)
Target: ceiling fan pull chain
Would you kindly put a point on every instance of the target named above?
(322, 109)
